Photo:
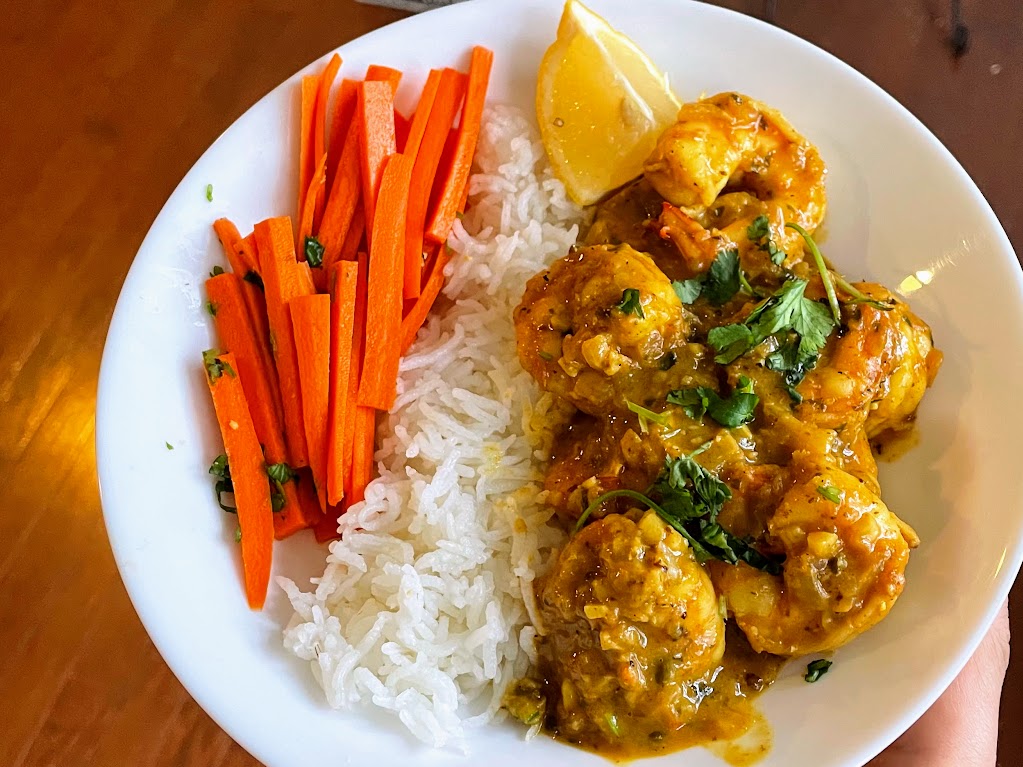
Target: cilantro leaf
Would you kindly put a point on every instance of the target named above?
(759, 231)
(687, 290)
(787, 310)
(829, 492)
(793, 366)
(216, 367)
(169, 445)
(280, 472)
(731, 412)
(313, 251)
(730, 342)
(822, 267)
(816, 669)
(630, 303)
(722, 281)
(689, 498)
(209, 193)
(217, 270)
(222, 471)
(254, 278)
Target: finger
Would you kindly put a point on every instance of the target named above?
(961, 728)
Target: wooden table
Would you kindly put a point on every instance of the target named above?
(104, 108)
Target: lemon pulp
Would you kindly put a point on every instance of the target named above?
(601, 104)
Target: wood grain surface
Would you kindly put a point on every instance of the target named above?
(103, 107)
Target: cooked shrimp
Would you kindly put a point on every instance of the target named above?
(877, 370)
(601, 326)
(844, 568)
(730, 141)
(631, 621)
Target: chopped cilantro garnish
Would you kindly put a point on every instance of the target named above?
(546, 356)
(786, 311)
(646, 415)
(222, 471)
(723, 280)
(612, 724)
(169, 445)
(689, 498)
(816, 669)
(254, 278)
(238, 535)
(209, 193)
(731, 412)
(687, 290)
(829, 492)
(211, 308)
(313, 251)
(760, 232)
(822, 267)
(630, 303)
(218, 269)
(216, 367)
(859, 297)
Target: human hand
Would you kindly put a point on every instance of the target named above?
(961, 728)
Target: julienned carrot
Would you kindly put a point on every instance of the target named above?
(326, 529)
(322, 94)
(358, 352)
(306, 160)
(238, 256)
(282, 281)
(413, 321)
(376, 137)
(355, 236)
(248, 245)
(340, 121)
(345, 193)
(402, 124)
(343, 281)
(362, 458)
(453, 186)
(310, 318)
(412, 273)
(248, 474)
(226, 293)
(377, 73)
(307, 223)
(383, 297)
(447, 102)
(303, 278)
(301, 508)
(320, 131)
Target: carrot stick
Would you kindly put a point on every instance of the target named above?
(402, 124)
(358, 349)
(343, 198)
(238, 256)
(255, 302)
(383, 297)
(340, 122)
(326, 529)
(248, 245)
(320, 132)
(355, 236)
(376, 135)
(306, 160)
(417, 127)
(414, 320)
(322, 94)
(308, 221)
(282, 281)
(227, 296)
(447, 102)
(362, 459)
(377, 73)
(412, 273)
(248, 473)
(310, 318)
(344, 281)
(453, 185)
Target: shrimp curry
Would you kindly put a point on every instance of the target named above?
(728, 394)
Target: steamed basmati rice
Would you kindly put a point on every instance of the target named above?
(424, 607)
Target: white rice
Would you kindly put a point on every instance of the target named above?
(423, 609)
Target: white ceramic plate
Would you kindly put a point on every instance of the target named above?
(901, 211)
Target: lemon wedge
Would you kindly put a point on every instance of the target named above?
(601, 104)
